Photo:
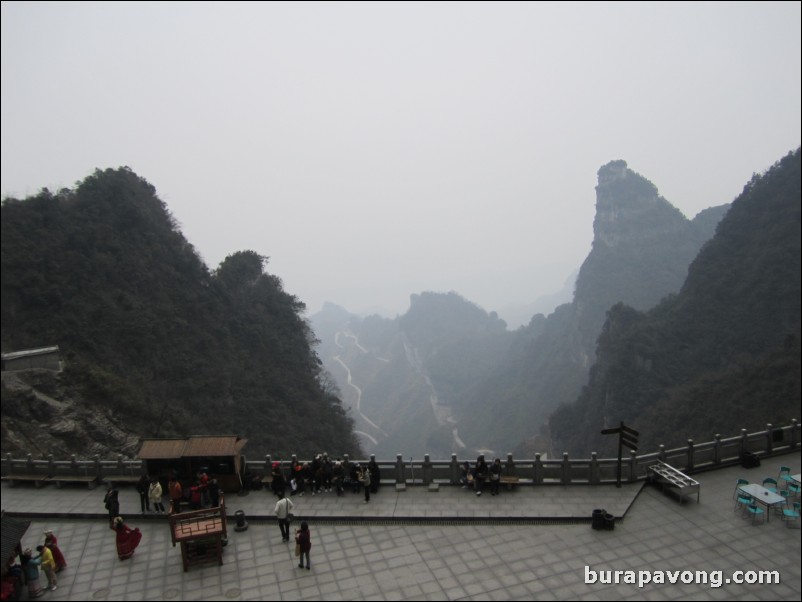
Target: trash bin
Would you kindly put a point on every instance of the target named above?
(609, 522)
(598, 519)
(750, 460)
(242, 524)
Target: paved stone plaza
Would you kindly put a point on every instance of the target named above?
(531, 543)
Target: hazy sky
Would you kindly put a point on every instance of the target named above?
(373, 150)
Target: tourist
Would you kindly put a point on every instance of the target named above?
(283, 512)
(155, 495)
(30, 567)
(365, 479)
(195, 496)
(142, 488)
(127, 539)
(338, 477)
(176, 494)
(375, 475)
(466, 475)
(52, 542)
(112, 503)
(480, 475)
(214, 493)
(355, 470)
(495, 476)
(303, 539)
(278, 484)
(48, 566)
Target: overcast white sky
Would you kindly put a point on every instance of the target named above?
(373, 150)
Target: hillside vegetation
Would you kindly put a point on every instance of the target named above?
(151, 338)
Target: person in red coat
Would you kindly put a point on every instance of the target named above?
(127, 539)
(52, 542)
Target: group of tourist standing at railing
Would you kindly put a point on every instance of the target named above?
(475, 478)
(324, 475)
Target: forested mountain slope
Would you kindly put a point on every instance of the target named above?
(152, 340)
(721, 355)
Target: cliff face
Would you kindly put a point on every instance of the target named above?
(642, 247)
(723, 353)
(43, 414)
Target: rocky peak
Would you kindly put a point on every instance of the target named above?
(629, 208)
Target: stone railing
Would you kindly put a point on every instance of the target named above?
(693, 457)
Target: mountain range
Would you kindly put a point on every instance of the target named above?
(448, 377)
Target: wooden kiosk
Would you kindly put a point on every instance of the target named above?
(219, 456)
(201, 534)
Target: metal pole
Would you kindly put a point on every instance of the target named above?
(620, 446)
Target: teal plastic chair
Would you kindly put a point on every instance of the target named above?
(791, 514)
(742, 501)
(770, 484)
(753, 509)
(737, 492)
(778, 508)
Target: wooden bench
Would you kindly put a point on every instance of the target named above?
(37, 479)
(509, 480)
(62, 474)
(91, 482)
(669, 477)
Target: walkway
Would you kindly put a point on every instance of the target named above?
(371, 551)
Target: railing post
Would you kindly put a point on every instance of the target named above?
(268, 465)
(661, 454)
(400, 478)
(565, 478)
(744, 442)
(427, 470)
(537, 470)
(98, 469)
(455, 472)
(51, 465)
(689, 464)
(509, 468)
(717, 448)
(29, 464)
(594, 468)
(9, 465)
(633, 465)
(794, 433)
(769, 438)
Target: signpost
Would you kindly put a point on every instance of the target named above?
(626, 437)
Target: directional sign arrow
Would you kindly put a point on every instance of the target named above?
(629, 431)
